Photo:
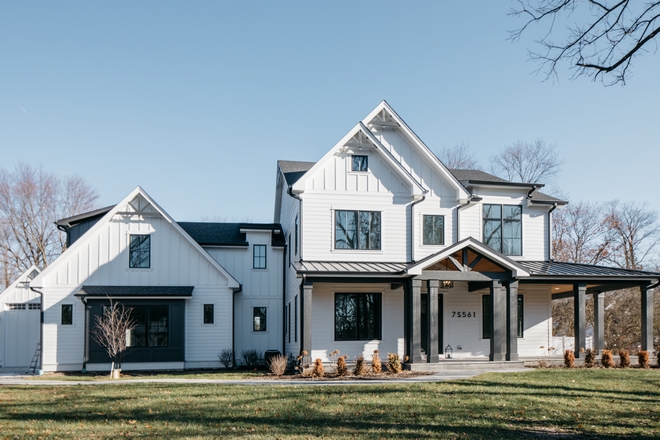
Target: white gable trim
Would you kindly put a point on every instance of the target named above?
(232, 283)
(20, 279)
(462, 193)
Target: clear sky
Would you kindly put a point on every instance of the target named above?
(195, 101)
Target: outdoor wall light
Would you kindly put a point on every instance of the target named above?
(449, 352)
(446, 284)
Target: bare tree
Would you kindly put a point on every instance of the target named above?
(600, 38)
(581, 234)
(110, 332)
(636, 233)
(31, 199)
(530, 162)
(459, 157)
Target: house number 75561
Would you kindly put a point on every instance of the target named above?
(463, 314)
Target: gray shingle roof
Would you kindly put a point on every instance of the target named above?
(136, 291)
(228, 234)
(294, 170)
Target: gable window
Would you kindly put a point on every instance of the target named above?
(434, 229)
(209, 315)
(259, 319)
(67, 314)
(360, 163)
(503, 228)
(139, 253)
(357, 316)
(259, 256)
(151, 326)
(357, 230)
(485, 316)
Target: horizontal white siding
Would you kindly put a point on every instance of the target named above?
(537, 320)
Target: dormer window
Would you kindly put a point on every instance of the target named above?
(360, 163)
(139, 252)
(503, 228)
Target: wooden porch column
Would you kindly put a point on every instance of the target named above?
(512, 315)
(647, 318)
(580, 317)
(497, 322)
(599, 323)
(416, 322)
(306, 317)
(433, 321)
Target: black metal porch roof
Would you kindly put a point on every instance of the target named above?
(557, 268)
(350, 267)
(135, 291)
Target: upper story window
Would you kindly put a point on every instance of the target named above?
(503, 228)
(259, 256)
(360, 163)
(357, 230)
(139, 253)
(434, 229)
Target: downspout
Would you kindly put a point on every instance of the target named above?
(550, 256)
(300, 225)
(412, 226)
(233, 325)
(284, 327)
(41, 326)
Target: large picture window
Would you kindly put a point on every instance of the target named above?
(357, 230)
(434, 229)
(139, 253)
(357, 316)
(485, 316)
(503, 228)
(152, 326)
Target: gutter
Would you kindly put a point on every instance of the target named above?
(550, 256)
(300, 226)
(41, 325)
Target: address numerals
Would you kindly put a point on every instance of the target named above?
(463, 314)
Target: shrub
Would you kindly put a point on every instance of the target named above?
(341, 366)
(226, 357)
(624, 359)
(569, 359)
(606, 359)
(278, 365)
(376, 366)
(318, 370)
(589, 358)
(643, 359)
(393, 363)
(251, 358)
(360, 368)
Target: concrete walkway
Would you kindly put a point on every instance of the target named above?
(438, 377)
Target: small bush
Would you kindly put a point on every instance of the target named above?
(360, 367)
(342, 370)
(376, 366)
(251, 358)
(278, 365)
(643, 359)
(569, 359)
(606, 359)
(624, 359)
(589, 358)
(318, 370)
(226, 357)
(393, 363)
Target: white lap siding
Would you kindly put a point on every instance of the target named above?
(538, 320)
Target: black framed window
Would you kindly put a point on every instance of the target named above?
(357, 316)
(434, 229)
(295, 319)
(503, 228)
(296, 236)
(485, 316)
(152, 326)
(289, 242)
(209, 314)
(259, 256)
(259, 319)
(67, 314)
(288, 322)
(139, 253)
(357, 230)
(360, 163)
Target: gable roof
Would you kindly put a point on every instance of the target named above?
(294, 170)
(232, 282)
(229, 234)
(73, 220)
(25, 276)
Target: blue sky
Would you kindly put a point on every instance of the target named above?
(196, 101)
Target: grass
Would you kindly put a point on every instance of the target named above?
(551, 403)
(209, 374)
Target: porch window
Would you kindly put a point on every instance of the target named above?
(139, 253)
(358, 316)
(357, 230)
(360, 163)
(485, 315)
(152, 326)
(503, 228)
(259, 256)
(434, 229)
(259, 319)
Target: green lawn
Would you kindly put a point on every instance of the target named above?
(536, 404)
(213, 374)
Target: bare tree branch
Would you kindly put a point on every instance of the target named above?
(459, 157)
(111, 329)
(533, 162)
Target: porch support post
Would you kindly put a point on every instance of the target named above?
(433, 321)
(512, 315)
(580, 317)
(647, 318)
(416, 328)
(306, 318)
(599, 323)
(497, 322)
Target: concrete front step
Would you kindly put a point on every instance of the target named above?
(445, 365)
